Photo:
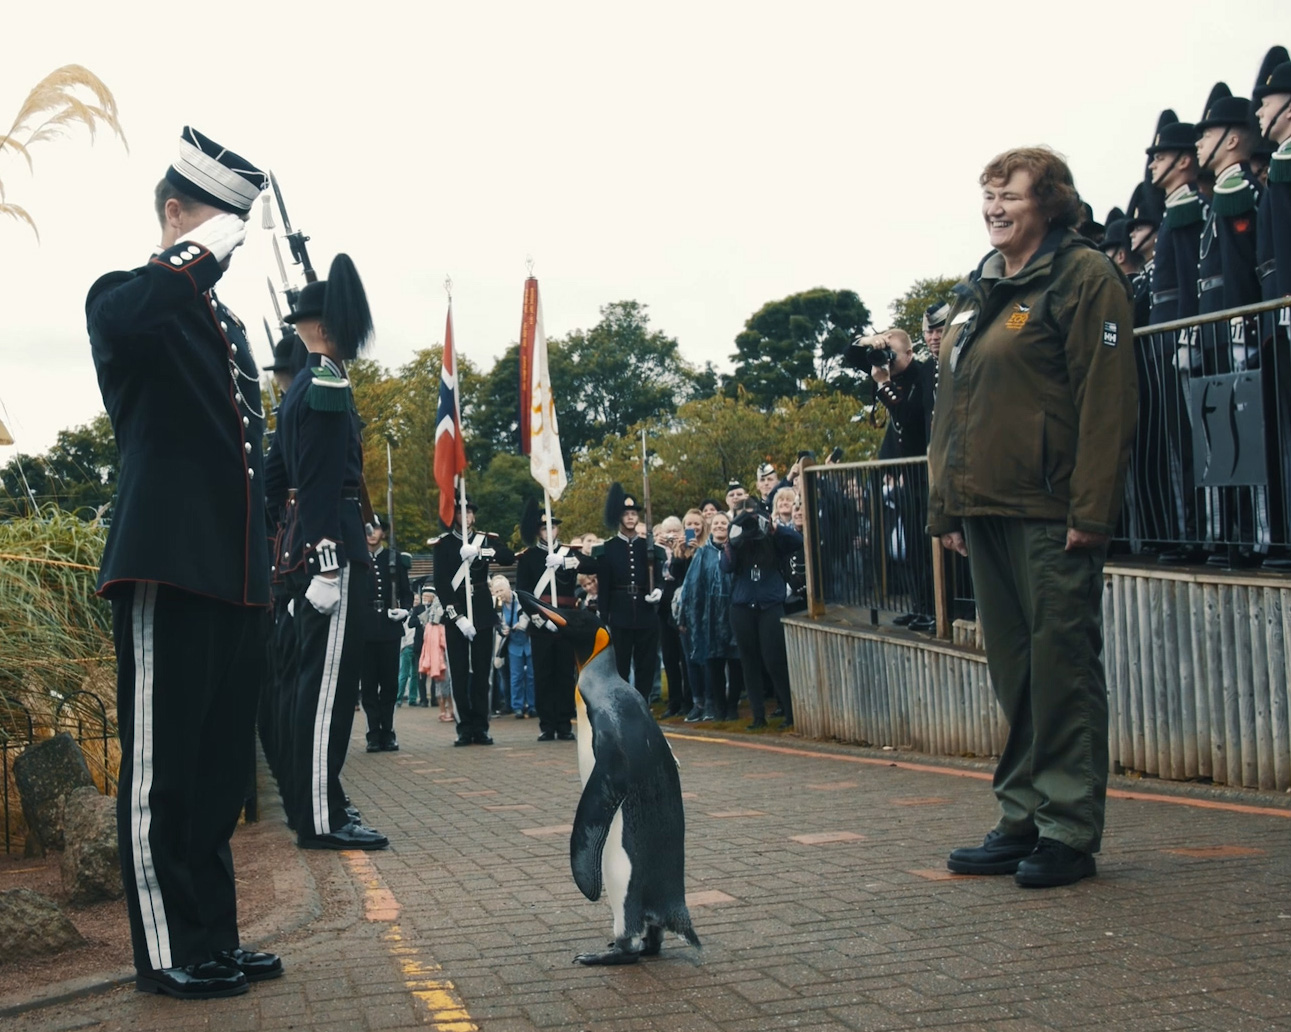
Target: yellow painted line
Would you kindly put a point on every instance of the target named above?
(977, 775)
(441, 1006)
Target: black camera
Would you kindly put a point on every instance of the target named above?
(869, 353)
(753, 527)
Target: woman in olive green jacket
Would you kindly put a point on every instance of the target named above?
(1031, 435)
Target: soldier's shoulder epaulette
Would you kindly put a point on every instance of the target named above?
(1280, 166)
(1234, 195)
(1185, 210)
(436, 540)
(405, 560)
(328, 392)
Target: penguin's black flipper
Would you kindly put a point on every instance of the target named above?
(600, 801)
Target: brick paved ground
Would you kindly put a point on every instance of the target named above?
(818, 885)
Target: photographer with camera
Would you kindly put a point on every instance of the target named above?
(903, 386)
(753, 554)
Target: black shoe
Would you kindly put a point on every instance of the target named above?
(464, 740)
(923, 624)
(374, 745)
(519, 716)
(566, 736)
(903, 620)
(480, 738)
(694, 716)
(670, 712)
(193, 981)
(352, 812)
(258, 967)
(547, 736)
(390, 743)
(352, 836)
(778, 711)
(756, 725)
(786, 725)
(1054, 863)
(998, 854)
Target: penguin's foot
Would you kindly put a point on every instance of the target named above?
(616, 954)
(653, 941)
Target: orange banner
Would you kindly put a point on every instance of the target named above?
(528, 330)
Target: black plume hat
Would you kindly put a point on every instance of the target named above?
(617, 502)
(341, 303)
(1274, 77)
(1147, 206)
(289, 354)
(1222, 108)
(1117, 233)
(532, 521)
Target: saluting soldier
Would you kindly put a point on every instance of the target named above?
(324, 554)
(182, 391)
(391, 600)
(462, 566)
(540, 566)
(622, 567)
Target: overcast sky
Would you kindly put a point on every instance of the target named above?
(702, 158)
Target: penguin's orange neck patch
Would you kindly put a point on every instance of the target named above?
(598, 646)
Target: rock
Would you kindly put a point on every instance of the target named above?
(33, 925)
(91, 863)
(46, 773)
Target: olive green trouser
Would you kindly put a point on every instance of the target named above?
(1041, 613)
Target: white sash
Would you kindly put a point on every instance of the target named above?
(464, 569)
(544, 582)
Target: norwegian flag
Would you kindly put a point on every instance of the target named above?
(450, 452)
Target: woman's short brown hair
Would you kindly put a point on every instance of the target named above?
(1051, 181)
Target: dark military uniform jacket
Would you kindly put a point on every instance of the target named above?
(1273, 253)
(1174, 269)
(183, 394)
(531, 573)
(1226, 270)
(322, 455)
(1141, 285)
(623, 582)
(451, 583)
(908, 397)
(388, 592)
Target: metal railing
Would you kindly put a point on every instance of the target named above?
(1209, 477)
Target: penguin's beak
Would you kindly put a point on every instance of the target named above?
(535, 606)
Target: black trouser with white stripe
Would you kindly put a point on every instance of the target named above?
(554, 674)
(188, 670)
(285, 664)
(470, 664)
(329, 653)
(380, 685)
(636, 654)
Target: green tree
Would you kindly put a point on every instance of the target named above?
(793, 347)
(709, 441)
(78, 474)
(907, 310)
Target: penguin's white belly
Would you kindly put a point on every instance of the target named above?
(616, 873)
(586, 758)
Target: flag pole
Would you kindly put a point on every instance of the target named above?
(461, 477)
(551, 540)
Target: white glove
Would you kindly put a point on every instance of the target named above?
(571, 562)
(291, 607)
(734, 532)
(469, 552)
(397, 614)
(497, 662)
(550, 625)
(466, 627)
(219, 235)
(554, 562)
(504, 630)
(654, 596)
(324, 594)
(523, 623)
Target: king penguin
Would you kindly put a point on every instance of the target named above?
(629, 833)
